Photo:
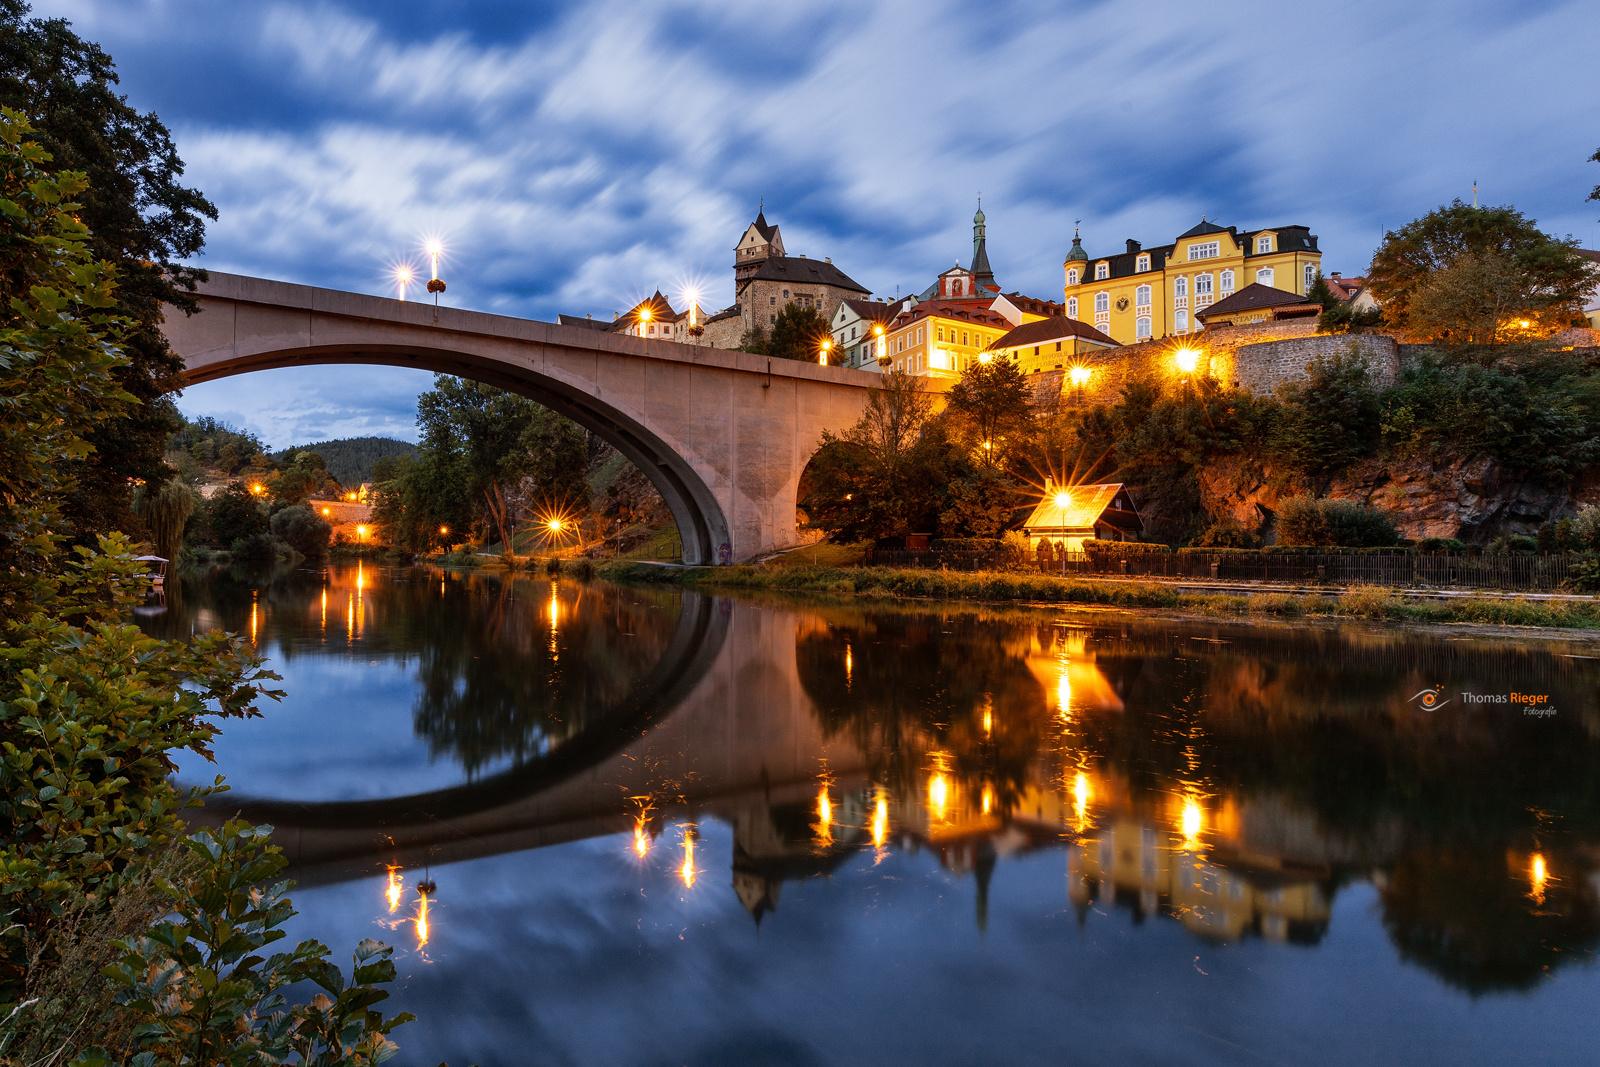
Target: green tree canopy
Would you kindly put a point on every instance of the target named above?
(139, 217)
(798, 334)
(1552, 275)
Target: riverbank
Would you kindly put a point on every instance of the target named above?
(1363, 602)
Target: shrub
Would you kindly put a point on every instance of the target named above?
(1225, 534)
(303, 530)
(235, 515)
(1094, 546)
(1584, 576)
(258, 548)
(1586, 529)
(1513, 545)
(1304, 520)
(1368, 601)
(1440, 544)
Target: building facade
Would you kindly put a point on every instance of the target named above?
(858, 327)
(1142, 294)
(766, 280)
(941, 338)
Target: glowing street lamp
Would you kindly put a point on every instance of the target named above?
(361, 533)
(985, 357)
(402, 277)
(1187, 359)
(881, 351)
(1080, 375)
(827, 346)
(434, 249)
(1062, 499)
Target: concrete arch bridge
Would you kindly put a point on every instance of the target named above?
(724, 436)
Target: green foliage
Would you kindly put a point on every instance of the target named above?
(754, 340)
(1584, 576)
(304, 475)
(1304, 520)
(303, 530)
(208, 995)
(798, 334)
(1440, 544)
(234, 514)
(1541, 415)
(1093, 546)
(990, 412)
(1551, 273)
(1330, 420)
(350, 460)
(1225, 533)
(165, 511)
(138, 217)
(205, 445)
(979, 504)
(1513, 545)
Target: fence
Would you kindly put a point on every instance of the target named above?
(1411, 570)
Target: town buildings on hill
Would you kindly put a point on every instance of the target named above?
(1142, 294)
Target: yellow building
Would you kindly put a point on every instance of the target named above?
(940, 338)
(1145, 293)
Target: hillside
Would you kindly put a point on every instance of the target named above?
(350, 459)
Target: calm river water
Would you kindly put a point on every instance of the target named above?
(667, 828)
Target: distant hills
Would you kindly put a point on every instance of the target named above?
(350, 459)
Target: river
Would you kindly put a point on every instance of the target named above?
(672, 828)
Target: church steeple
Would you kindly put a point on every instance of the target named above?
(983, 275)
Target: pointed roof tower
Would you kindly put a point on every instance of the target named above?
(982, 274)
(1077, 252)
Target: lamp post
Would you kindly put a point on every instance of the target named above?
(878, 352)
(827, 346)
(1186, 360)
(1080, 374)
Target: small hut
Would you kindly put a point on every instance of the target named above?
(1070, 514)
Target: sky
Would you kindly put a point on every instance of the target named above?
(575, 157)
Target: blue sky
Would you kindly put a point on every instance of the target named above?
(574, 157)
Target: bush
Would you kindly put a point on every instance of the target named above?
(1225, 534)
(1586, 529)
(1441, 544)
(1094, 546)
(1304, 520)
(303, 530)
(1513, 545)
(1584, 576)
(258, 548)
(236, 515)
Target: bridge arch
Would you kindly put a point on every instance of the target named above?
(723, 436)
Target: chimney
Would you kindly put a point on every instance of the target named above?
(827, 259)
(1336, 274)
(1133, 246)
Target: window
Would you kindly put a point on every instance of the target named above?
(1180, 288)
(1072, 307)
(1264, 243)
(1142, 264)
(1141, 296)
(1311, 277)
(1141, 328)
(853, 333)
(1227, 282)
(772, 300)
(1102, 303)
(1209, 250)
(1180, 320)
(774, 318)
(1264, 276)
(1102, 271)
(963, 337)
(1058, 346)
(938, 333)
(959, 287)
(1072, 276)
(919, 335)
(1036, 350)
(786, 294)
(1202, 285)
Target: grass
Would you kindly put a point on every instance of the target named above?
(1367, 602)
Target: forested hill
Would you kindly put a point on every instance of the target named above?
(350, 459)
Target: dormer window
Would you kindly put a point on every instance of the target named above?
(1264, 243)
(1102, 271)
(1142, 264)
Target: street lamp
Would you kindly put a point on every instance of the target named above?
(1186, 359)
(879, 352)
(827, 346)
(1080, 375)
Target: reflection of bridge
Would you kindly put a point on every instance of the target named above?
(723, 435)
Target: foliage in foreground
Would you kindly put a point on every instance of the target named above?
(92, 711)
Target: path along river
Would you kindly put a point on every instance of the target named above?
(671, 828)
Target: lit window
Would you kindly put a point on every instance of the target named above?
(1264, 276)
(1209, 250)
(1142, 263)
(1311, 277)
(963, 338)
(938, 333)
(1072, 276)
(1227, 282)
(1141, 328)
(1072, 307)
(1141, 295)
(1102, 303)
(1180, 320)
(1102, 271)
(1180, 288)
(1264, 243)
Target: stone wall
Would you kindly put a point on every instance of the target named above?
(1261, 368)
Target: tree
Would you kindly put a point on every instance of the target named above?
(1555, 274)
(512, 452)
(1331, 419)
(1338, 315)
(139, 218)
(236, 515)
(1480, 298)
(303, 530)
(165, 510)
(990, 411)
(798, 334)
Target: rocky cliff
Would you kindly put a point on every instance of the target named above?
(1473, 499)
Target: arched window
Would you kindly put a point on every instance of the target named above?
(1202, 286)
(1180, 287)
(1264, 276)
(1180, 321)
(1227, 282)
(1102, 303)
(1102, 271)
(1141, 328)
(958, 287)
(1264, 243)
(1141, 296)
(1072, 307)
(1072, 276)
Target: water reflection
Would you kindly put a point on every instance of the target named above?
(1224, 788)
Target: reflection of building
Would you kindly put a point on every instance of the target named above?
(775, 843)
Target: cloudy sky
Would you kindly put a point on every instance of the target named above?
(574, 157)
